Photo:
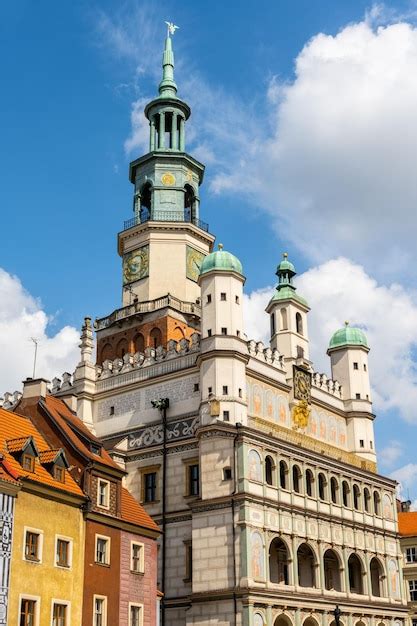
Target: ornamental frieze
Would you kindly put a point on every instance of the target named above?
(154, 435)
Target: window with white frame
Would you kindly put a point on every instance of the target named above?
(411, 555)
(60, 613)
(135, 614)
(32, 545)
(103, 493)
(99, 611)
(137, 557)
(102, 550)
(63, 551)
(413, 590)
(29, 611)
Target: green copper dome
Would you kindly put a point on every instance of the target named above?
(221, 260)
(285, 265)
(348, 336)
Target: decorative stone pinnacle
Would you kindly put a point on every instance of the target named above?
(87, 343)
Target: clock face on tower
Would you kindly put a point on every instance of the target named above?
(136, 265)
(194, 261)
(302, 384)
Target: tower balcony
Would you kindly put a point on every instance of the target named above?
(184, 216)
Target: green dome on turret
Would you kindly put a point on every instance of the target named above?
(285, 265)
(285, 289)
(348, 336)
(221, 260)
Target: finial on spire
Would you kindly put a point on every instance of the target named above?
(167, 86)
(171, 28)
(220, 246)
(346, 323)
(285, 255)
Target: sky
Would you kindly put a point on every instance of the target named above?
(305, 116)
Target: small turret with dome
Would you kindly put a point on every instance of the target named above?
(223, 372)
(348, 350)
(288, 314)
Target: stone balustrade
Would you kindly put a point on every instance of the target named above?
(323, 382)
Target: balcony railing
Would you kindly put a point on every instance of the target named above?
(165, 216)
(146, 307)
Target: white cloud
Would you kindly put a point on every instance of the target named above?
(390, 454)
(338, 174)
(406, 476)
(22, 317)
(338, 290)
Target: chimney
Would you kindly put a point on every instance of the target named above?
(405, 506)
(35, 387)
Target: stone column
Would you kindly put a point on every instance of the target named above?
(346, 566)
(294, 561)
(269, 616)
(174, 131)
(162, 130)
(182, 134)
(152, 135)
(321, 582)
(298, 617)
(368, 576)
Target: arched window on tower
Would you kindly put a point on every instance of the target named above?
(189, 204)
(299, 323)
(283, 471)
(145, 202)
(278, 562)
(139, 343)
(284, 319)
(156, 337)
(269, 470)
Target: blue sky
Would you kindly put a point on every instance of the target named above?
(289, 166)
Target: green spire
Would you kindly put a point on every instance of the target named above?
(167, 86)
(285, 288)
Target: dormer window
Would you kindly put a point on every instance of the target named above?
(95, 449)
(103, 493)
(28, 462)
(59, 473)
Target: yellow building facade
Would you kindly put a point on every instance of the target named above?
(44, 580)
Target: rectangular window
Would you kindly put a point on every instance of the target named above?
(224, 331)
(225, 390)
(59, 474)
(226, 416)
(137, 558)
(193, 480)
(223, 296)
(208, 298)
(112, 410)
(63, 553)
(411, 555)
(196, 386)
(100, 611)
(238, 333)
(413, 590)
(355, 366)
(102, 550)
(32, 546)
(237, 299)
(149, 491)
(364, 367)
(103, 493)
(188, 561)
(210, 390)
(27, 612)
(59, 615)
(358, 396)
(361, 443)
(227, 473)
(209, 332)
(28, 462)
(240, 392)
(135, 615)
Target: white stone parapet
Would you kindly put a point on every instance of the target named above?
(10, 400)
(326, 384)
(258, 351)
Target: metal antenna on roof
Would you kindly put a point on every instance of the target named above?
(35, 341)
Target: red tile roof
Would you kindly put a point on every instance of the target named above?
(14, 427)
(134, 513)
(71, 425)
(17, 445)
(7, 474)
(49, 456)
(407, 524)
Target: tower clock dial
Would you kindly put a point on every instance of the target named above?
(136, 265)
(194, 261)
(302, 384)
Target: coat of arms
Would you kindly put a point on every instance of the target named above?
(300, 414)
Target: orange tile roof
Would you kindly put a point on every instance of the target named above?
(134, 513)
(70, 424)
(13, 427)
(17, 445)
(49, 456)
(407, 524)
(7, 474)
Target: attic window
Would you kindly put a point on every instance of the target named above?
(95, 449)
(59, 473)
(28, 462)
